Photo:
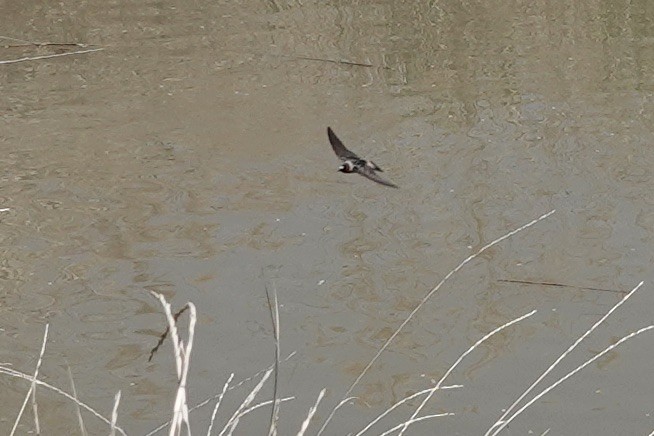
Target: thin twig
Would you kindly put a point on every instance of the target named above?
(424, 301)
(164, 335)
(42, 44)
(499, 424)
(47, 44)
(561, 285)
(32, 388)
(356, 64)
(35, 58)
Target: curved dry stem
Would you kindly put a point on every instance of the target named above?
(114, 414)
(182, 363)
(312, 411)
(18, 374)
(214, 397)
(274, 315)
(217, 406)
(263, 404)
(501, 425)
(233, 421)
(331, 414)
(399, 403)
(80, 420)
(501, 419)
(411, 421)
(31, 392)
(426, 298)
(449, 371)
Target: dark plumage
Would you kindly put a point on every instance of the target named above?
(353, 163)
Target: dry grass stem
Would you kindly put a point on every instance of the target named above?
(180, 422)
(31, 392)
(274, 315)
(35, 412)
(411, 421)
(427, 297)
(499, 425)
(36, 58)
(182, 362)
(399, 403)
(217, 406)
(340, 404)
(114, 414)
(263, 404)
(233, 421)
(312, 411)
(13, 373)
(214, 397)
(458, 361)
(78, 410)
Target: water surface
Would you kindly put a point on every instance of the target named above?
(189, 157)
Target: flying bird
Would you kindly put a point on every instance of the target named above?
(353, 163)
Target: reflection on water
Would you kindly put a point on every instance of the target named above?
(190, 157)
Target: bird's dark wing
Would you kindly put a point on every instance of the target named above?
(368, 172)
(338, 146)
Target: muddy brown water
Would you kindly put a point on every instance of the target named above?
(189, 157)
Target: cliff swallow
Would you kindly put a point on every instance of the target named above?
(353, 163)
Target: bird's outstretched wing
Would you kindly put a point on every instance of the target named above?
(340, 150)
(368, 172)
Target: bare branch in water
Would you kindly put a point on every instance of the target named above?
(163, 336)
(561, 285)
(356, 64)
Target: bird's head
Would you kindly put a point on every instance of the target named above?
(347, 167)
